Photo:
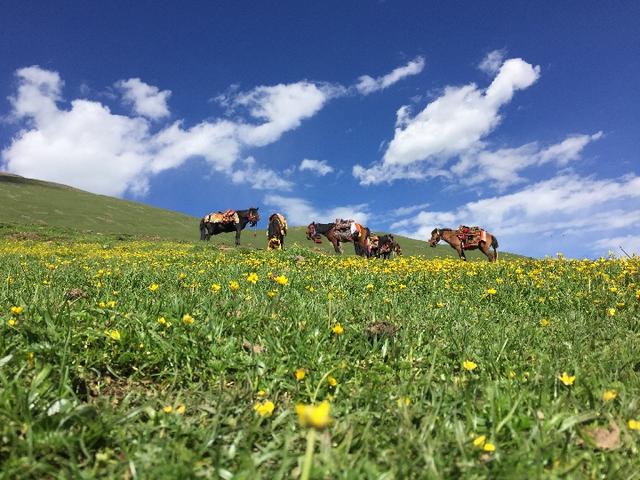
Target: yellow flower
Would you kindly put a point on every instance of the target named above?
(634, 424)
(611, 312)
(252, 278)
(566, 379)
(17, 310)
(315, 416)
(609, 395)
(300, 373)
(188, 319)
(512, 374)
(370, 286)
(403, 401)
(469, 365)
(480, 441)
(440, 305)
(234, 286)
(215, 288)
(167, 409)
(182, 276)
(113, 334)
(489, 447)
(491, 291)
(332, 381)
(338, 329)
(281, 280)
(153, 287)
(262, 393)
(264, 409)
(272, 293)
(545, 322)
(12, 322)
(180, 409)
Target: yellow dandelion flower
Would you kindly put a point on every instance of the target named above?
(182, 276)
(272, 293)
(234, 286)
(491, 291)
(512, 374)
(609, 395)
(262, 393)
(370, 286)
(315, 416)
(545, 322)
(403, 401)
(153, 287)
(567, 379)
(162, 321)
(167, 409)
(332, 381)
(480, 441)
(633, 424)
(216, 287)
(17, 310)
(469, 365)
(113, 334)
(252, 278)
(12, 322)
(180, 409)
(264, 409)
(187, 319)
(281, 280)
(338, 329)
(300, 374)
(611, 312)
(489, 447)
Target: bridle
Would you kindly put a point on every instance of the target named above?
(434, 241)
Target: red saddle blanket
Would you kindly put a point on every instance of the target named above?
(471, 236)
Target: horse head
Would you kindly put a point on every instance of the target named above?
(397, 249)
(253, 216)
(435, 237)
(312, 233)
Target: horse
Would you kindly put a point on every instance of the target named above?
(276, 232)
(336, 237)
(451, 237)
(245, 217)
(385, 246)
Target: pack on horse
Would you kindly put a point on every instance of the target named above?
(336, 233)
(467, 238)
(228, 221)
(384, 245)
(276, 232)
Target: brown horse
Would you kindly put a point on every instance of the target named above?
(452, 237)
(337, 237)
(276, 232)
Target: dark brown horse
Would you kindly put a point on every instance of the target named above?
(337, 237)
(276, 232)
(245, 217)
(453, 238)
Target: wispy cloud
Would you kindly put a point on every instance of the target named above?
(300, 211)
(319, 167)
(367, 84)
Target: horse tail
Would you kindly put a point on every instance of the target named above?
(494, 245)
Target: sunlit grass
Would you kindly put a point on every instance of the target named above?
(173, 360)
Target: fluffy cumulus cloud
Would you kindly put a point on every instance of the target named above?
(453, 124)
(367, 84)
(146, 100)
(88, 146)
(319, 167)
(300, 211)
(570, 211)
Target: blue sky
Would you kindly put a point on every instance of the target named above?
(521, 117)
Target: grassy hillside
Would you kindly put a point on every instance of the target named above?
(38, 209)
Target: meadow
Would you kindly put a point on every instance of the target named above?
(134, 359)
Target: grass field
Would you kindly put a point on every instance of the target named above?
(130, 359)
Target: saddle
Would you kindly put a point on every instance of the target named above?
(471, 236)
(283, 223)
(342, 224)
(228, 216)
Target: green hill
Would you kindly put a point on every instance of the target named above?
(43, 210)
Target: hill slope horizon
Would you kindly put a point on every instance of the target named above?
(38, 209)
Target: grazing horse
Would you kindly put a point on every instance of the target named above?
(386, 246)
(276, 232)
(249, 216)
(451, 237)
(336, 237)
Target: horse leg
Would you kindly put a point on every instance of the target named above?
(238, 230)
(282, 242)
(461, 254)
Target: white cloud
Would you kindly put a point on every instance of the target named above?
(259, 178)
(453, 124)
(301, 212)
(146, 99)
(367, 84)
(501, 167)
(319, 167)
(89, 147)
(630, 244)
(491, 63)
(546, 215)
(408, 209)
